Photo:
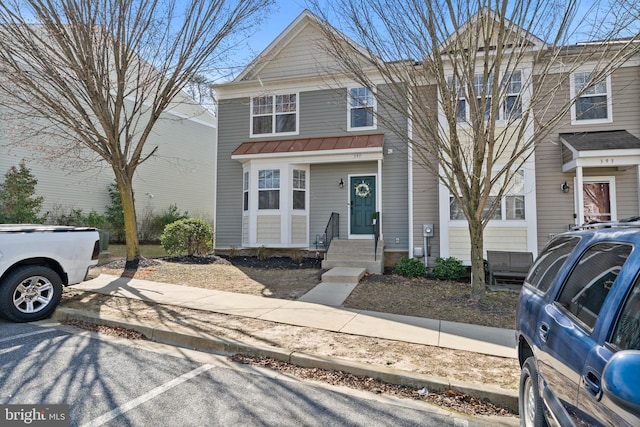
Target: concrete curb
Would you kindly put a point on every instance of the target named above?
(204, 342)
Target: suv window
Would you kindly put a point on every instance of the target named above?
(626, 336)
(591, 279)
(550, 260)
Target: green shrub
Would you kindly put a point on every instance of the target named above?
(61, 216)
(192, 236)
(410, 267)
(18, 202)
(114, 215)
(166, 217)
(450, 268)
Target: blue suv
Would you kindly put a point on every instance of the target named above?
(578, 329)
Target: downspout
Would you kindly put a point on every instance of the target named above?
(410, 177)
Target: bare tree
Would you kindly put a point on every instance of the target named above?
(99, 74)
(475, 80)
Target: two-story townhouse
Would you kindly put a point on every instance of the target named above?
(299, 147)
(588, 170)
(298, 141)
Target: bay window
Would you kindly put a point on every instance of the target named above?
(269, 189)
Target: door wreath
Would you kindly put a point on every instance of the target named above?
(362, 190)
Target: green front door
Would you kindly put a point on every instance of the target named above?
(363, 203)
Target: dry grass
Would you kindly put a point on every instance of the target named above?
(389, 293)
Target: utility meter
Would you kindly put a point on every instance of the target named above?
(427, 230)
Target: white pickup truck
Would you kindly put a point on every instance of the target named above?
(36, 261)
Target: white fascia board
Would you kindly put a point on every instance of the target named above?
(577, 66)
(604, 160)
(300, 83)
(324, 156)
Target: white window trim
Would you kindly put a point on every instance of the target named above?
(503, 221)
(286, 211)
(572, 94)
(305, 190)
(349, 108)
(273, 126)
(258, 189)
(501, 119)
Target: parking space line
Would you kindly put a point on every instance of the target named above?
(28, 334)
(105, 418)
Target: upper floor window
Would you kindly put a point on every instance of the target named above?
(593, 102)
(511, 101)
(512, 106)
(362, 105)
(269, 189)
(274, 114)
(299, 189)
(482, 87)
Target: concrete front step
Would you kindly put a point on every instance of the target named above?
(372, 267)
(343, 275)
(355, 246)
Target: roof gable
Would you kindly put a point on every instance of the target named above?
(297, 51)
(486, 22)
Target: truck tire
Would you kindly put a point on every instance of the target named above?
(30, 293)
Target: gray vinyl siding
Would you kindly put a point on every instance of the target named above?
(322, 113)
(327, 196)
(556, 209)
(425, 211)
(233, 117)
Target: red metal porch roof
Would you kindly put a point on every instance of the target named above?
(309, 144)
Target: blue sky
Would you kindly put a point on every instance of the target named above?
(281, 15)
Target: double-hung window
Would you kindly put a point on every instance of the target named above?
(510, 207)
(269, 189)
(274, 114)
(245, 192)
(362, 106)
(593, 99)
(511, 98)
(512, 106)
(483, 88)
(299, 189)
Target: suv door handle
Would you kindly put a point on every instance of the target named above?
(544, 331)
(592, 384)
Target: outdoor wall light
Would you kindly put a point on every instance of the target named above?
(341, 184)
(565, 187)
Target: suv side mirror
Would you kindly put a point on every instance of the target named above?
(619, 380)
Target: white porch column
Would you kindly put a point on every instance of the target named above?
(379, 197)
(579, 196)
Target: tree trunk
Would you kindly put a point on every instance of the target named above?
(477, 259)
(125, 187)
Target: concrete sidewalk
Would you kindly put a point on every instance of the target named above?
(459, 336)
(319, 315)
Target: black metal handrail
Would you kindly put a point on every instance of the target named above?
(332, 231)
(376, 234)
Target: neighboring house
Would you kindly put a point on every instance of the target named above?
(299, 141)
(180, 172)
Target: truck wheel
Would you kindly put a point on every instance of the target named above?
(530, 403)
(30, 293)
